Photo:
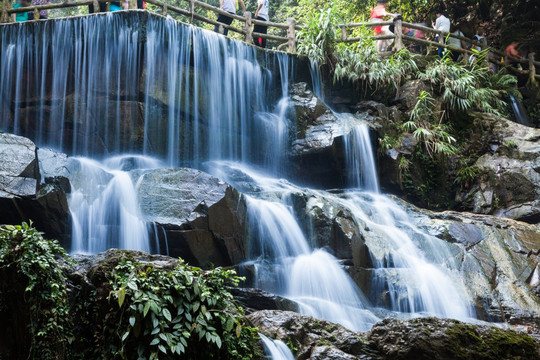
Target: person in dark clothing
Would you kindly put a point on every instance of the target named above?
(230, 7)
(262, 15)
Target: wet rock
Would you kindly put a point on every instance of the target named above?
(310, 336)
(256, 299)
(415, 339)
(202, 216)
(22, 195)
(54, 168)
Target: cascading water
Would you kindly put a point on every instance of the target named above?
(105, 208)
(362, 172)
(223, 108)
(276, 349)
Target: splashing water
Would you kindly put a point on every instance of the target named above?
(276, 349)
(104, 206)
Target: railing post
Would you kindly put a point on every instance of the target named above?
(96, 6)
(291, 35)
(132, 4)
(164, 10)
(36, 13)
(532, 69)
(247, 28)
(343, 33)
(398, 33)
(6, 5)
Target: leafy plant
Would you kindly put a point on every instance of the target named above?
(432, 132)
(181, 312)
(463, 88)
(318, 39)
(34, 286)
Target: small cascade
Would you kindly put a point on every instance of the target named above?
(275, 129)
(316, 81)
(324, 290)
(104, 206)
(276, 349)
(285, 264)
(362, 172)
(520, 114)
(413, 269)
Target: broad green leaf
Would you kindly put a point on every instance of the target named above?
(121, 294)
(167, 314)
(146, 308)
(238, 330)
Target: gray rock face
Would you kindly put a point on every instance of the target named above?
(18, 156)
(319, 139)
(510, 182)
(202, 215)
(22, 195)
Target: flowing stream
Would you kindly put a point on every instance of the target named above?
(228, 112)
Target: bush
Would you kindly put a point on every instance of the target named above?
(166, 314)
(33, 297)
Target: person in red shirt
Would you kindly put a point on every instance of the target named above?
(512, 51)
(378, 14)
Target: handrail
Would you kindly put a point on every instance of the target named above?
(291, 27)
(399, 37)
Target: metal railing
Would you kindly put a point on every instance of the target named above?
(287, 32)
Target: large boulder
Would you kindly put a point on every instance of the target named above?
(498, 261)
(202, 215)
(23, 194)
(415, 339)
(445, 339)
(312, 337)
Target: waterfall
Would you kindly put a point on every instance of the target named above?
(362, 172)
(414, 269)
(286, 264)
(150, 93)
(104, 205)
(276, 349)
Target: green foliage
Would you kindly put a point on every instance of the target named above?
(465, 88)
(430, 131)
(33, 283)
(466, 173)
(318, 39)
(187, 312)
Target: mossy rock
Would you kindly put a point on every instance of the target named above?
(432, 338)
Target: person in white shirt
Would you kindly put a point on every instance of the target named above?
(443, 24)
(262, 15)
(230, 7)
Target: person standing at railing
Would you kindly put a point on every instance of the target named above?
(377, 15)
(442, 24)
(228, 6)
(22, 16)
(262, 15)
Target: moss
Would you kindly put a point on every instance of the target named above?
(469, 342)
